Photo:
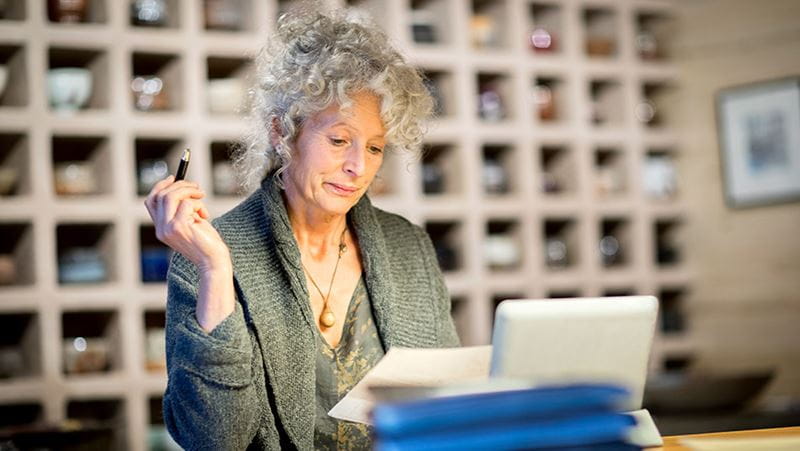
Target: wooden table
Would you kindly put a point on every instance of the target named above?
(672, 443)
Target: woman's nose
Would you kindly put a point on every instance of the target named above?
(355, 160)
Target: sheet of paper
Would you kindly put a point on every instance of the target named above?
(414, 368)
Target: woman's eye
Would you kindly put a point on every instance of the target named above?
(338, 141)
(375, 149)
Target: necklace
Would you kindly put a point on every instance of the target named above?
(327, 318)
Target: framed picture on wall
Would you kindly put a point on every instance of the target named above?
(759, 138)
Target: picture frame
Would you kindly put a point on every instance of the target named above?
(759, 139)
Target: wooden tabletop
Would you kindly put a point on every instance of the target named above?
(672, 443)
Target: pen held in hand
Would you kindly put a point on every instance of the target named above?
(183, 166)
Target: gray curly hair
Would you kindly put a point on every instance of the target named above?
(316, 59)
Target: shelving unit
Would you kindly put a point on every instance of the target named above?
(552, 126)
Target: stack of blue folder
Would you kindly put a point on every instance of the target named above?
(570, 417)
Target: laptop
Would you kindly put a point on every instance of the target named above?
(559, 341)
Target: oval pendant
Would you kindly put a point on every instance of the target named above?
(327, 318)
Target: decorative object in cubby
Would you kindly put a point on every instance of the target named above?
(156, 82)
(84, 253)
(440, 170)
(154, 256)
(610, 173)
(492, 101)
(14, 164)
(429, 22)
(606, 102)
(601, 26)
(446, 238)
(659, 175)
(81, 165)
(487, 30)
(226, 85)
(558, 168)
(614, 241)
(545, 26)
(90, 341)
(652, 29)
(498, 166)
(77, 79)
(501, 246)
(560, 243)
(225, 15)
(224, 177)
(155, 359)
(15, 77)
(154, 13)
(17, 258)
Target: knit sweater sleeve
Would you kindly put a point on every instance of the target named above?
(210, 389)
(446, 329)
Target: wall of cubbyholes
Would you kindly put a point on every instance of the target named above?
(548, 172)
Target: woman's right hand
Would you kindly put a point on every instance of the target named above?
(181, 222)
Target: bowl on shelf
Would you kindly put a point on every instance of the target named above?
(74, 178)
(81, 265)
(85, 355)
(679, 392)
(225, 95)
(69, 88)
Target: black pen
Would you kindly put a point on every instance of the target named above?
(183, 166)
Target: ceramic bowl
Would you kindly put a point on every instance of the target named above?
(225, 95)
(8, 180)
(69, 88)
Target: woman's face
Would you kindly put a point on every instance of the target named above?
(336, 155)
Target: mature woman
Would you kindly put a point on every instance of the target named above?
(276, 309)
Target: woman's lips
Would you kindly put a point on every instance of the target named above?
(343, 190)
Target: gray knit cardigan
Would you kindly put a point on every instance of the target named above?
(250, 383)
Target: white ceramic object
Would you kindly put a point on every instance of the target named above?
(501, 251)
(3, 78)
(225, 95)
(69, 88)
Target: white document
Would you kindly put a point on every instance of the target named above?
(404, 367)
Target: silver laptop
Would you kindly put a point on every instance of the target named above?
(560, 341)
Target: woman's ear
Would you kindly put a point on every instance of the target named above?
(275, 132)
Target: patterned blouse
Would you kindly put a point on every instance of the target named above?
(339, 369)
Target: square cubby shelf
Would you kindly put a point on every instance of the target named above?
(654, 104)
(499, 166)
(20, 346)
(77, 79)
(488, 29)
(668, 233)
(442, 173)
(19, 415)
(91, 342)
(156, 159)
(17, 265)
(86, 253)
(610, 172)
(672, 310)
(13, 10)
(392, 174)
(563, 293)
(226, 84)
(447, 237)
(105, 418)
(459, 310)
(600, 31)
(607, 103)
(502, 245)
(155, 13)
(615, 242)
(155, 359)
(550, 99)
(227, 15)
(441, 86)
(660, 175)
(77, 11)
(559, 169)
(494, 97)
(154, 256)
(431, 22)
(546, 28)
(561, 243)
(14, 90)
(15, 179)
(81, 165)
(652, 31)
(224, 178)
(157, 82)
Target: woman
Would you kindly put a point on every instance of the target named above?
(276, 309)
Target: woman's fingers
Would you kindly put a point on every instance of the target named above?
(167, 202)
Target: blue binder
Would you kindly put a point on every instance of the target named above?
(466, 411)
(593, 431)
